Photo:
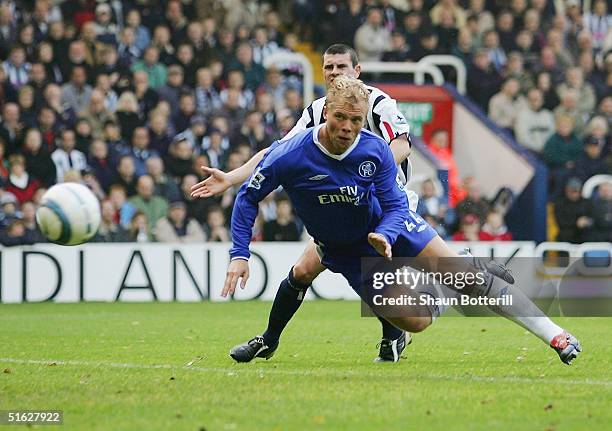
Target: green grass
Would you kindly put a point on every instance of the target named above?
(462, 373)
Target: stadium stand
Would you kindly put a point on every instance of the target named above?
(132, 97)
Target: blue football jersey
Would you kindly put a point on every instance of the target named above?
(340, 198)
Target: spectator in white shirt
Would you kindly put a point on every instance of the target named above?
(372, 39)
(534, 124)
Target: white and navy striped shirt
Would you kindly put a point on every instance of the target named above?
(64, 162)
(384, 119)
(17, 75)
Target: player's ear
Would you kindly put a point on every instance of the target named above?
(358, 70)
(325, 112)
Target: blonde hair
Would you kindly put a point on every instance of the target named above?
(565, 117)
(351, 90)
(597, 121)
(127, 102)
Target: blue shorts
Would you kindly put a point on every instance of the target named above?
(410, 242)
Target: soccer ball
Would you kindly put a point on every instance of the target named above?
(69, 214)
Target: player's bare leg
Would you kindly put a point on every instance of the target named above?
(309, 266)
(419, 319)
(522, 310)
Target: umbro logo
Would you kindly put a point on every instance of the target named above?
(318, 177)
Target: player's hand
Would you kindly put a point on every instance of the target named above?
(380, 244)
(238, 268)
(214, 185)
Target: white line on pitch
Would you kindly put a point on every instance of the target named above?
(313, 372)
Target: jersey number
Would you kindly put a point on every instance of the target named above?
(409, 225)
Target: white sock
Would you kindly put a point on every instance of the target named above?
(542, 327)
(523, 311)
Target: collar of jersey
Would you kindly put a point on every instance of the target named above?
(315, 137)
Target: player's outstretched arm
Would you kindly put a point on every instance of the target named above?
(219, 181)
(238, 268)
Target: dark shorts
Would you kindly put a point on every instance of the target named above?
(411, 241)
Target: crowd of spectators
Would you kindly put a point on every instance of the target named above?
(133, 97)
(542, 72)
(473, 218)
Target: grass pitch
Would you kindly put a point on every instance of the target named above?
(165, 366)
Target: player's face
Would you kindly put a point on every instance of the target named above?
(344, 120)
(339, 64)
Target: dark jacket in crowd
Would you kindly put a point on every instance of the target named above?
(41, 166)
(567, 213)
(601, 213)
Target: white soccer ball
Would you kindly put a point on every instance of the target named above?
(69, 214)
